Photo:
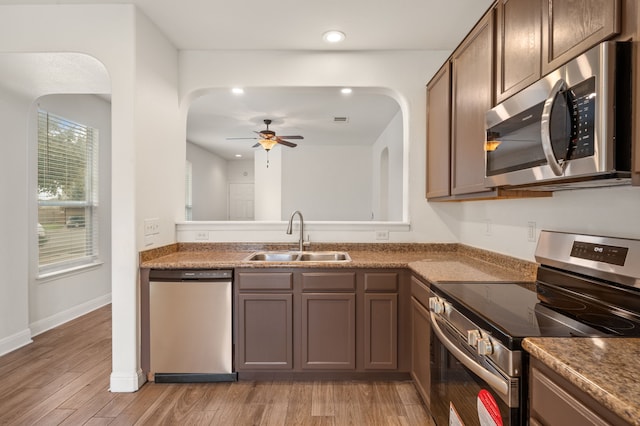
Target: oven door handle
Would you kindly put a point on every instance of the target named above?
(545, 128)
(497, 383)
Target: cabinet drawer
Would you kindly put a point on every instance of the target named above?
(265, 281)
(328, 281)
(387, 281)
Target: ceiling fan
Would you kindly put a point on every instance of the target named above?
(268, 138)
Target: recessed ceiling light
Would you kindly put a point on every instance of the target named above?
(237, 90)
(346, 90)
(333, 36)
(238, 155)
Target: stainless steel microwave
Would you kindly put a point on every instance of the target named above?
(572, 128)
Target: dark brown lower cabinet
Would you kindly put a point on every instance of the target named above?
(555, 401)
(382, 320)
(329, 331)
(264, 320)
(381, 331)
(311, 321)
(420, 339)
(266, 340)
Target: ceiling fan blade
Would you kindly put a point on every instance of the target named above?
(291, 137)
(230, 139)
(256, 145)
(287, 143)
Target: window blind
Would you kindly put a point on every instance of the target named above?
(67, 193)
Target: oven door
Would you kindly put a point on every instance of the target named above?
(468, 390)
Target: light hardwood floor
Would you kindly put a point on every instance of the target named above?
(63, 378)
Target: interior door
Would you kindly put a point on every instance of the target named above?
(241, 201)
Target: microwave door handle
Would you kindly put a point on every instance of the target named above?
(545, 127)
(497, 383)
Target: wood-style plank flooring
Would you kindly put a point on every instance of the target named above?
(63, 379)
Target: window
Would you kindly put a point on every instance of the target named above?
(67, 194)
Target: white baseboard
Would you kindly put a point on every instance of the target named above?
(127, 382)
(18, 340)
(55, 320)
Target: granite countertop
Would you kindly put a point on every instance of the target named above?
(432, 262)
(605, 368)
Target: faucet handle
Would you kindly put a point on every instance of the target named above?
(307, 243)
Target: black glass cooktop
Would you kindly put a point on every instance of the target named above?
(510, 311)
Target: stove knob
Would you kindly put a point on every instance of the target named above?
(485, 347)
(472, 337)
(436, 305)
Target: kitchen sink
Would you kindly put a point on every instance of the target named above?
(296, 256)
(272, 256)
(324, 256)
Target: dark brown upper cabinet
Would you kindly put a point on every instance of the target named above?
(570, 27)
(472, 97)
(517, 45)
(439, 134)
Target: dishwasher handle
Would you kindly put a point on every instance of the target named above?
(190, 274)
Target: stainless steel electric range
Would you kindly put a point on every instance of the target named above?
(585, 286)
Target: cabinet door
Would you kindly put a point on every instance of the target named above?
(517, 46)
(472, 97)
(420, 349)
(553, 405)
(570, 27)
(265, 331)
(381, 331)
(328, 331)
(439, 134)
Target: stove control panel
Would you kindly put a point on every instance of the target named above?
(600, 252)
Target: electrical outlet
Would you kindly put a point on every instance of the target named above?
(488, 227)
(382, 235)
(151, 226)
(531, 232)
(202, 236)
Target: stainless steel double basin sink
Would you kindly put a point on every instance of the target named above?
(298, 256)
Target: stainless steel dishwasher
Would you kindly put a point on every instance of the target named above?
(190, 325)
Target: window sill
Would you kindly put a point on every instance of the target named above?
(54, 275)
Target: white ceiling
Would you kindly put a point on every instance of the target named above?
(297, 25)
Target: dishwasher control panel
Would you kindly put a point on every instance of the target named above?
(190, 274)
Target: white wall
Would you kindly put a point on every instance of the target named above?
(58, 299)
(604, 211)
(390, 139)
(327, 182)
(240, 171)
(148, 153)
(14, 226)
(209, 184)
(106, 33)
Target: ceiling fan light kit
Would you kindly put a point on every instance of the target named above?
(268, 139)
(267, 144)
